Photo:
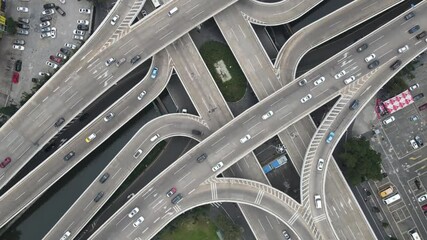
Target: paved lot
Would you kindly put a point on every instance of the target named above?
(37, 50)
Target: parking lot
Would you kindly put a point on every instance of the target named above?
(37, 50)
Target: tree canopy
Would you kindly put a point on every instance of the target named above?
(359, 162)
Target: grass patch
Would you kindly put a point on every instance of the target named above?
(192, 225)
(234, 89)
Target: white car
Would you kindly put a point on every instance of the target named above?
(53, 32)
(66, 235)
(141, 95)
(45, 24)
(138, 221)
(52, 65)
(22, 9)
(133, 212)
(114, 20)
(44, 74)
(306, 98)
(389, 120)
(78, 37)
(84, 10)
(217, 166)
(46, 35)
(318, 201)
(84, 22)
(370, 58)
(340, 74)
(108, 117)
(320, 164)
(403, 49)
(70, 45)
(109, 61)
(63, 56)
(48, 12)
(79, 32)
(267, 115)
(90, 137)
(18, 47)
(319, 81)
(422, 198)
(413, 144)
(245, 138)
(413, 87)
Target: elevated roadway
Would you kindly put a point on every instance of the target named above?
(74, 87)
(27, 190)
(122, 165)
(242, 191)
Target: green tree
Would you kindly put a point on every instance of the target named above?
(385, 224)
(25, 97)
(10, 25)
(359, 162)
(9, 110)
(376, 209)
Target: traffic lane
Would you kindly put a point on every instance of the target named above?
(276, 13)
(122, 166)
(322, 30)
(204, 194)
(210, 7)
(132, 94)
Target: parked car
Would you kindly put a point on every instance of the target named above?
(52, 65)
(389, 120)
(45, 18)
(60, 10)
(18, 65)
(15, 77)
(48, 12)
(49, 5)
(422, 198)
(46, 29)
(70, 45)
(53, 32)
(23, 20)
(19, 42)
(79, 32)
(413, 144)
(45, 24)
(84, 10)
(418, 96)
(44, 74)
(23, 25)
(78, 37)
(413, 87)
(66, 51)
(22, 32)
(56, 59)
(18, 47)
(61, 56)
(22, 9)
(422, 107)
(82, 27)
(46, 35)
(85, 22)
(419, 140)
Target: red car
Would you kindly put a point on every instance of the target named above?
(15, 77)
(171, 192)
(423, 107)
(424, 207)
(5, 162)
(56, 59)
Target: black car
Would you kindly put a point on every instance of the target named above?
(409, 15)
(59, 122)
(66, 51)
(354, 105)
(419, 140)
(396, 64)
(83, 27)
(23, 25)
(98, 196)
(362, 47)
(414, 29)
(135, 59)
(45, 18)
(177, 199)
(60, 11)
(69, 156)
(18, 65)
(104, 177)
(49, 5)
(50, 147)
(418, 96)
(24, 20)
(421, 35)
(374, 64)
(202, 158)
(196, 132)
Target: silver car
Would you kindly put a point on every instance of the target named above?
(133, 212)
(138, 221)
(306, 98)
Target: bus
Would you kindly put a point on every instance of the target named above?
(414, 234)
(156, 3)
(391, 199)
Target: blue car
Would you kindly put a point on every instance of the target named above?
(330, 137)
(154, 72)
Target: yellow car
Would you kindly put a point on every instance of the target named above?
(91, 137)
